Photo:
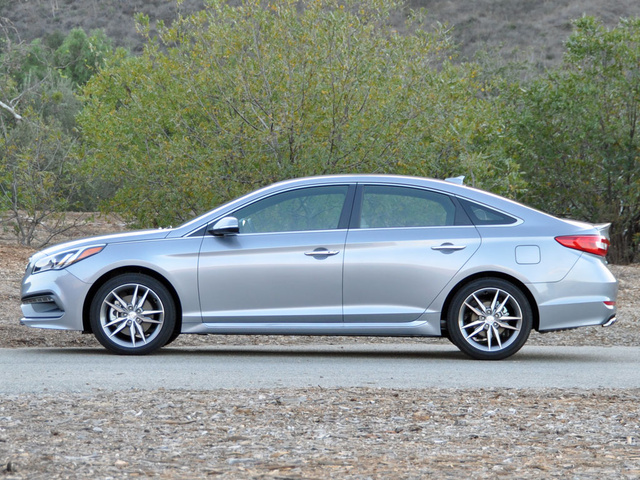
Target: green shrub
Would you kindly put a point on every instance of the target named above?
(235, 97)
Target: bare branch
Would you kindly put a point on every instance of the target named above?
(11, 111)
(7, 29)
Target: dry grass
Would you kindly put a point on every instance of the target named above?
(38, 18)
(317, 433)
(529, 29)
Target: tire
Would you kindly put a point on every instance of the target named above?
(172, 337)
(132, 314)
(489, 319)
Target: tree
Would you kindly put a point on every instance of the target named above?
(81, 55)
(578, 132)
(235, 97)
(39, 180)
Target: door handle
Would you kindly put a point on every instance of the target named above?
(448, 247)
(321, 252)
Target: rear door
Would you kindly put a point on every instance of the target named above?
(404, 245)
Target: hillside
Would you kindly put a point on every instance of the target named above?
(533, 29)
(38, 18)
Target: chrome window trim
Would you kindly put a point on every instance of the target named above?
(518, 221)
(288, 232)
(423, 227)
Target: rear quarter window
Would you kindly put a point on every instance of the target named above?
(483, 215)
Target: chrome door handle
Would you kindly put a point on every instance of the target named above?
(321, 252)
(448, 247)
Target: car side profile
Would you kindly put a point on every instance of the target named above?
(335, 255)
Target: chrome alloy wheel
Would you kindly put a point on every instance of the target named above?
(131, 315)
(490, 319)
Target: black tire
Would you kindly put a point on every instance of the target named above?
(172, 338)
(132, 314)
(489, 319)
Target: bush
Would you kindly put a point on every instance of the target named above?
(578, 129)
(235, 97)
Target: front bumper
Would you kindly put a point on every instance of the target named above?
(54, 300)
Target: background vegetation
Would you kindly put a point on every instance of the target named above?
(232, 96)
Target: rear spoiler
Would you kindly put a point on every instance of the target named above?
(457, 180)
(603, 228)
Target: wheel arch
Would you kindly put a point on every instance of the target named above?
(490, 274)
(86, 324)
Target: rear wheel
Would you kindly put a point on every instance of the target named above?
(489, 319)
(133, 314)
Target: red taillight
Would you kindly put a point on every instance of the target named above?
(596, 244)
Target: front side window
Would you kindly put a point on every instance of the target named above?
(393, 207)
(313, 208)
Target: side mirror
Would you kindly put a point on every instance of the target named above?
(225, 226)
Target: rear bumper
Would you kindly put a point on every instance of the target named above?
(585, 297)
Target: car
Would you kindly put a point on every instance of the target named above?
(374, 255)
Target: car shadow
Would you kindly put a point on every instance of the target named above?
(379, 351)
(270, 351)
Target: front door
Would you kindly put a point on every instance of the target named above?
(285, 265)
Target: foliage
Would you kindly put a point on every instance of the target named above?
(243, 94)
(81, 55)
(235, 97)
(39, 180)
(76, 57)
(578, 131)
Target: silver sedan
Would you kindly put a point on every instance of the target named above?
(338, 255)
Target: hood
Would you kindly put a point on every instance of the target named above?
(134, 236)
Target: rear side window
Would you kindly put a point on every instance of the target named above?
(397, 207)
(483, 215)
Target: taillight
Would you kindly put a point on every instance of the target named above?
(596, 244)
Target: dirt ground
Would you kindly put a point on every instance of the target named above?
(316, 433)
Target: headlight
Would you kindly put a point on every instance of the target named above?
(62, 260)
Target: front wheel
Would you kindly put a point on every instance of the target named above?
(132, 314)
(489, 319)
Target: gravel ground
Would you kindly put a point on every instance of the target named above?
(318, 433)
